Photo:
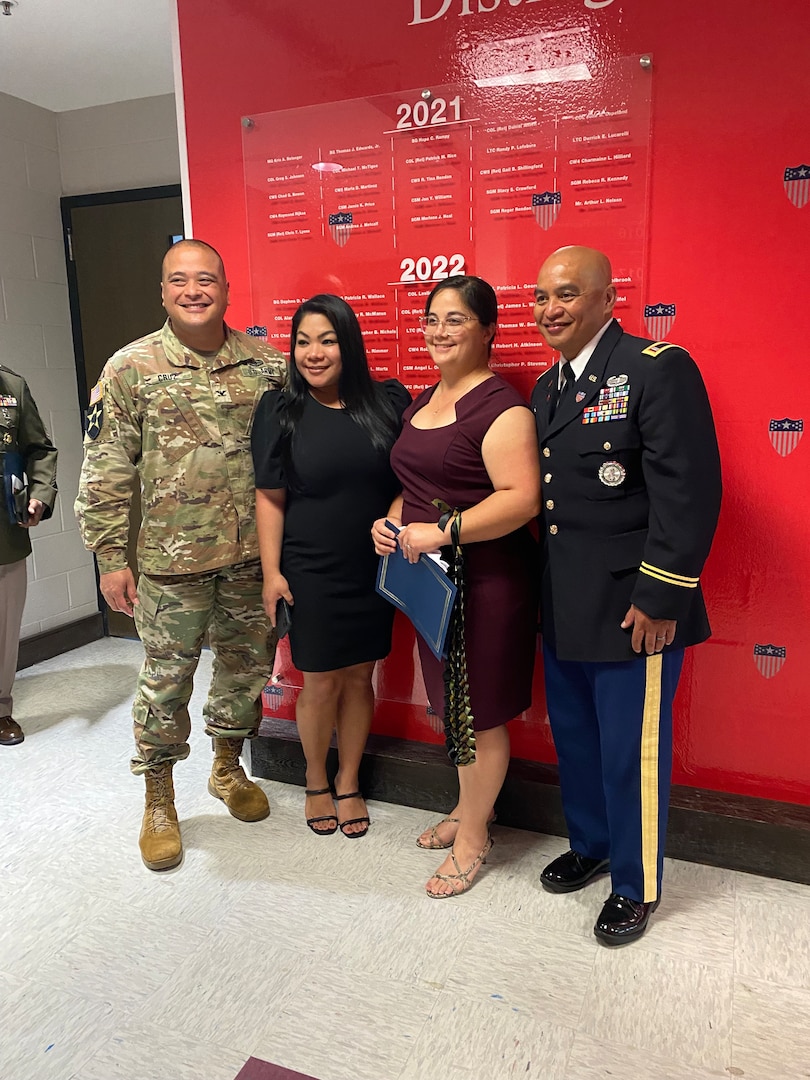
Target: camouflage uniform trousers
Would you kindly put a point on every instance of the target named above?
(172, 616)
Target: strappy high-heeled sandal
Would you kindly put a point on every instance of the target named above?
(460, 881)
(354, 820)
(311, 821)
(435, 843)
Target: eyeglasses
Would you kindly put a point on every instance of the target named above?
(453, 324)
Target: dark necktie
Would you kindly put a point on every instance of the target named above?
(565, 391)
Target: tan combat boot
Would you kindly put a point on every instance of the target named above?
(160, 843)
(244, 799)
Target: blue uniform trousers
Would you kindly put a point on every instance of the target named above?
(612, 727)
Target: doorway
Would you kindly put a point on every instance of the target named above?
(114, 244)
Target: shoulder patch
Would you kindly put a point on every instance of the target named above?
(95, 420)
(97, 392)
(658, 347)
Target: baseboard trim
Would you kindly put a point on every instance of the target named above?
(61, 640)
(738, 832)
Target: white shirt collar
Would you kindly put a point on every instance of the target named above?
(580, 361)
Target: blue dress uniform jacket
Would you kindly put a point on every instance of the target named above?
(631, 496)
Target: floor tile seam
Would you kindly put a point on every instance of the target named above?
(564, 936)
(591, 978)
(439, 995)
(677, 891)
(697, 1062)
(690, 962)
(760, 981)
(178, 1033)
(667, 1059)
(533, 918)
(800, 905)
(524, 1003)
(412, 1050)
(419, 981)
(649, 947)
(44, 980)
(91, 1053)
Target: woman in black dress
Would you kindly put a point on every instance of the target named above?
(470, 442)
(320, 452)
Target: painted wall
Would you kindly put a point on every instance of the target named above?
(35, 341)
(44, 155)
(727, 246)
(129, 144)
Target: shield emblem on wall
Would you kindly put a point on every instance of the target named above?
(797, 184)
(436, 724)
(658, 318)
(785, 435)
(769, 659)
(257, 332)
(340, 226)
(546, 207)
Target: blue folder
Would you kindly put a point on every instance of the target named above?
(422, 591)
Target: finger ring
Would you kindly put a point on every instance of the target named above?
(660, 637)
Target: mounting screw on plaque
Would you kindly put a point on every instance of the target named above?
(427, 95)
(247, 122)
(646, 61)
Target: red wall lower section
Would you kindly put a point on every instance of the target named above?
(728, 244)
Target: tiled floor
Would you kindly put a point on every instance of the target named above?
(325, 956)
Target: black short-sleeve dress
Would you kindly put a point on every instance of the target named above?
(501, 575)
(341, 486)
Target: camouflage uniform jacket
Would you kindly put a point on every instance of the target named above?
(182, 422)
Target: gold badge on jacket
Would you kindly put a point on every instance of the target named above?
(612, 473)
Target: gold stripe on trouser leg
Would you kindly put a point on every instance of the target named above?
(650, 724)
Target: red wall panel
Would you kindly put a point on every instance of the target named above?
(727, 246)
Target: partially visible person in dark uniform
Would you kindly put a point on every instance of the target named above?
(21, 433)
(630, 500)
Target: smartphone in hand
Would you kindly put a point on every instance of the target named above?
(283, 617)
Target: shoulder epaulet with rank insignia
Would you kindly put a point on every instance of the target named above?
(658, 347)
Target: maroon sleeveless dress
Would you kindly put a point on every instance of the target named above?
(501, 575)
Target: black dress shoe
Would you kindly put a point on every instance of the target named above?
(571, 871)
(10, 732)
(623, 920)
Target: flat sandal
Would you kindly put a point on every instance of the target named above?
(311, 821)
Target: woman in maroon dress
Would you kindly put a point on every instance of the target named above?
(469, 442)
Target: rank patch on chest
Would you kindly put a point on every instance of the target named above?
(612, 473)
(222, 393)
(257, 368)
(612, 405)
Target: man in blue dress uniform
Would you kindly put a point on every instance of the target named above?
(631, 495)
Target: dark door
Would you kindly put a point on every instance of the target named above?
(115, 243)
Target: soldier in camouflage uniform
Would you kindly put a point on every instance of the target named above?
(175, 408)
